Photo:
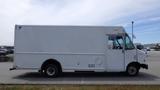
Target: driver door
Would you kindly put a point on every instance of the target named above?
(115, 53)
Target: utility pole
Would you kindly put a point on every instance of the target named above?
(132, 31)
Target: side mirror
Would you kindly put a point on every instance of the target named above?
(140, 47)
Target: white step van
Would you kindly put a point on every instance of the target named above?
(56, 49)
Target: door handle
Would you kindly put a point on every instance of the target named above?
(122, 50)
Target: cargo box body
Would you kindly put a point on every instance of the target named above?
(75, 48)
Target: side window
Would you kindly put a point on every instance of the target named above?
(110, 44)
(115, 42)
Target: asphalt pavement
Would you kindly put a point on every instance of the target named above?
(150, 76)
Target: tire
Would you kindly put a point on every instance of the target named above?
(51, 70)
(132, 70)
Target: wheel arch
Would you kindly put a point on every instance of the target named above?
(137, 64)
(51, 61)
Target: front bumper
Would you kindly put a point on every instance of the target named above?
(145, 66)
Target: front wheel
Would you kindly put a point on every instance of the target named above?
(51, 70)
(132, 70)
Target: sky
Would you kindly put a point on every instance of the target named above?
(144, 13)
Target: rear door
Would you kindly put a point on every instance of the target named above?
(115, 53)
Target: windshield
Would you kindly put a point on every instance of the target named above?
(128, 43)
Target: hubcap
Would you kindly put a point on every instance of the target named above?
(51, 71)
(132, 70)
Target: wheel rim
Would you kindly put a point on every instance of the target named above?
(132, 70)
(51, 71)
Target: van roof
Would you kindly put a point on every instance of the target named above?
(107, 29)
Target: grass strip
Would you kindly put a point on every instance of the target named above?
(79, 87)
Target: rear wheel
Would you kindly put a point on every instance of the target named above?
(51, 70)
(132, 70)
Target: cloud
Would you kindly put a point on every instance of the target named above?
(70, 12)
(75, 12)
